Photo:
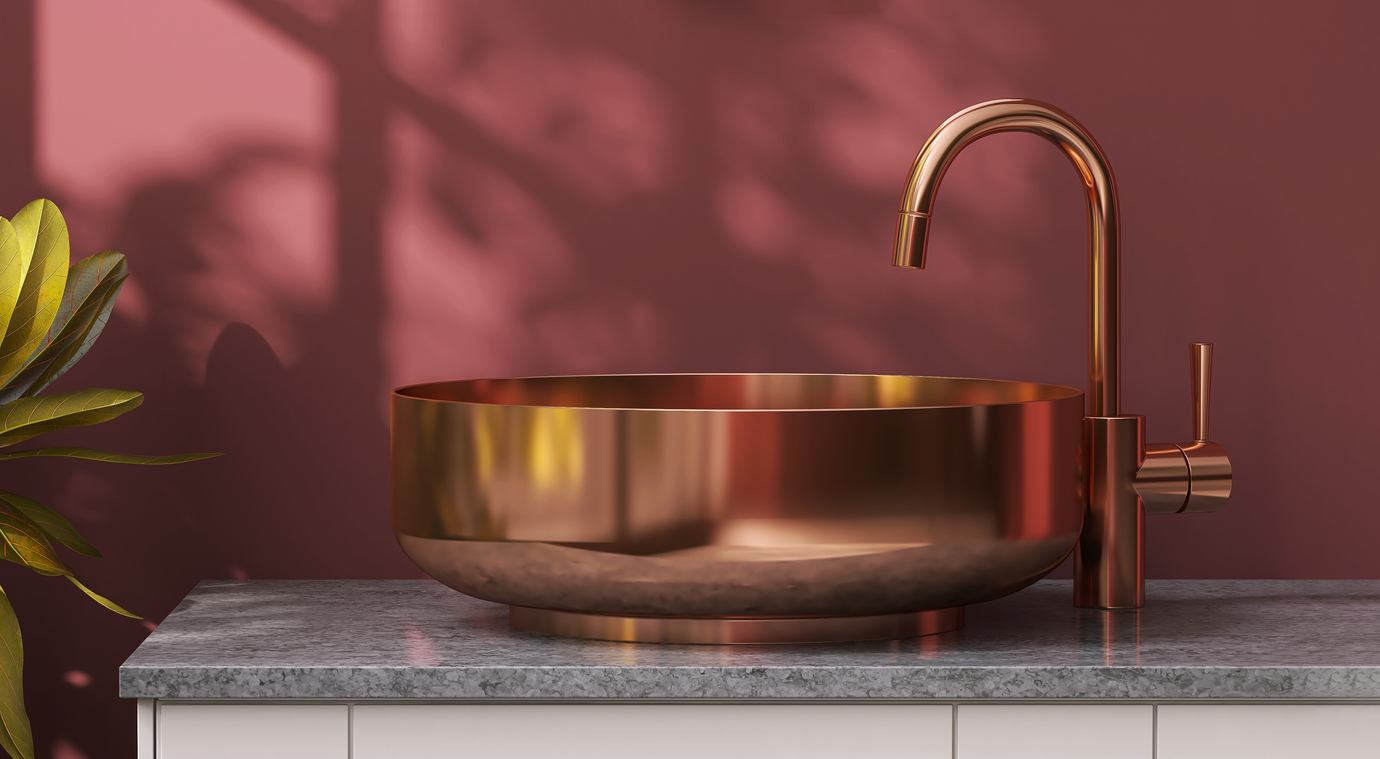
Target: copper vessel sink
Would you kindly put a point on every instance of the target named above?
(721, 508)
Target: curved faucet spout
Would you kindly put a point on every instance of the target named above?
(912, 229)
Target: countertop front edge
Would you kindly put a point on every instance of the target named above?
(651, 683)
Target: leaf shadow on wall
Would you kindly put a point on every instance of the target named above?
(578, 188)
(530, 188)
(301, 491)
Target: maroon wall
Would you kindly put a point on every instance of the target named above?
(322, 199)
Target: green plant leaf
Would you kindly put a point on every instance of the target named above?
(53, 524)
(44, 282)
(12, 269)
(30, 417)
(23, 543)
(102, 600)
(93, 283)
(26, 224)
(91, 454)
(16, 737)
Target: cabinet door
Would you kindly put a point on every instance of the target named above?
(215, 731)
(1073, 731)
(1269, 731)
(665, 731)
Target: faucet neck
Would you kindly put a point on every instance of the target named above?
(1104, 314)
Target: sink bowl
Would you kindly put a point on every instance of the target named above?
(736, 508)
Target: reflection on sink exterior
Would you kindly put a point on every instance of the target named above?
(738, 496)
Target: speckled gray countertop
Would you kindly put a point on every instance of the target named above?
(416, 639)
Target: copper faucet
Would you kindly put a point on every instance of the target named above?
(1123, 478)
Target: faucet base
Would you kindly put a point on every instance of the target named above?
(1109, 562)
(739, 630)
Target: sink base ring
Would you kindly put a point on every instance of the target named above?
(735, 630)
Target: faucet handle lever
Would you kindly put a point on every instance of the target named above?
(1185, 478)
(1200, 375)
(1209, 469)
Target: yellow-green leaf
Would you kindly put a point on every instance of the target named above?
(23, 543)
(53, 524)
(15, 737)
(44, 282)
(93, 283)
(26, 224)
(12, 269)
(102, 600)
(30, 417)
(91, 454)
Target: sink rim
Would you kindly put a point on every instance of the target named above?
(1047, 391)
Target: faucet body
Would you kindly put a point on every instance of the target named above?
(1123, 478)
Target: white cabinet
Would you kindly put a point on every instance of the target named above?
(235, 731)
(665, 731)
(361, 730)
(1271, 731)
(1072, 731)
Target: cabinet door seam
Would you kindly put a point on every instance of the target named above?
(954, 732)
(1154, 731)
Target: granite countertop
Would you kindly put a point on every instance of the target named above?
(416, 639)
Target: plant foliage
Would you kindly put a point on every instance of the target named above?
(50, 315)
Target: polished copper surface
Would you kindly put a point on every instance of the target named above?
(1209, 469)
(1104, 239)
(727, 631)
(696, 507)
(1200, 379)
(1187, 478)
(1125, 478)
(737, 495)
(1112, 579)
(1162, 480)
(1209, 476)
